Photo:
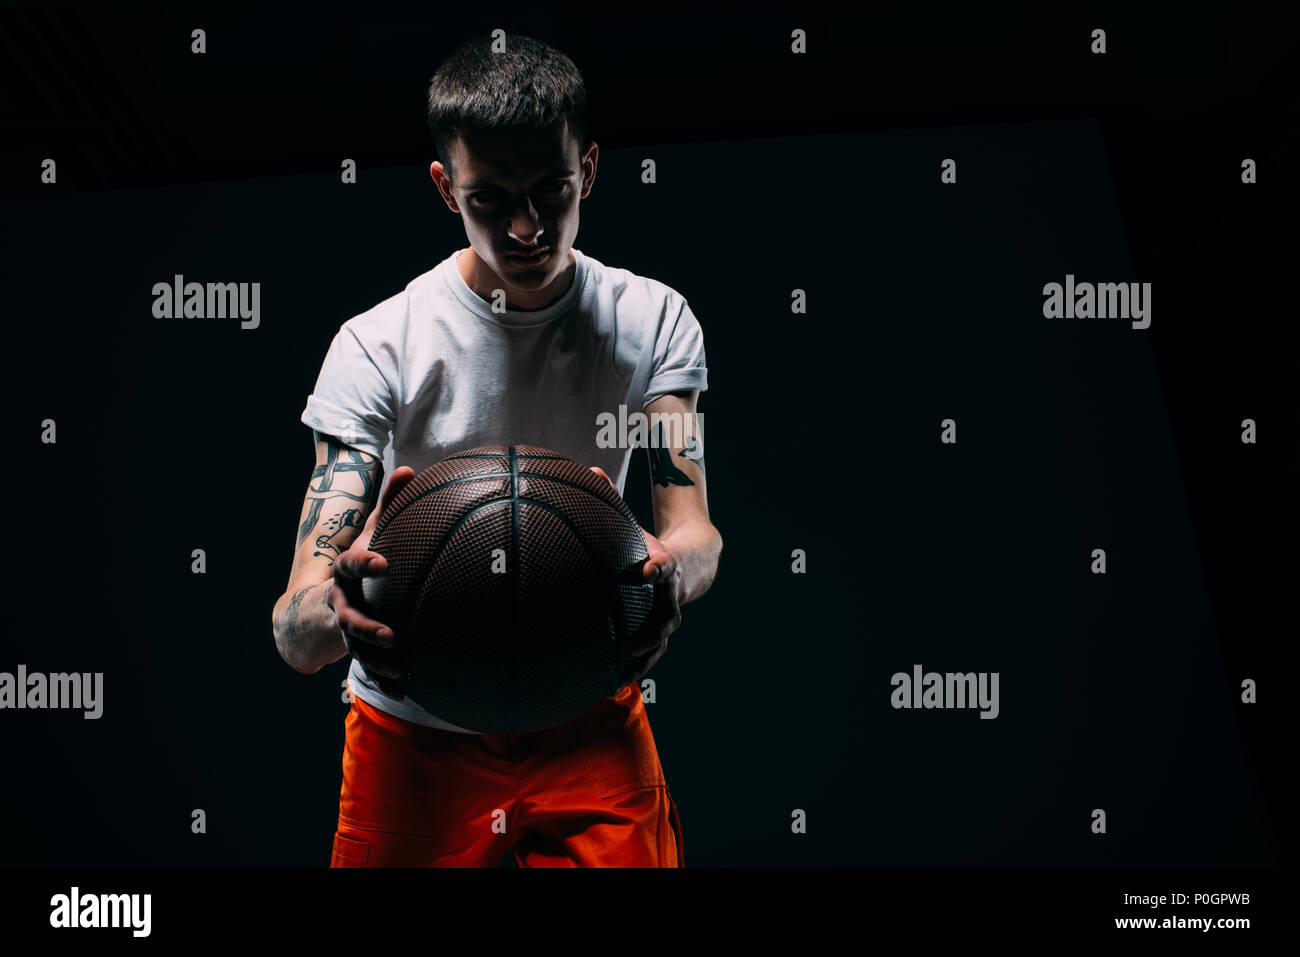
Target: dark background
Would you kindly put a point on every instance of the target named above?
(775, 172)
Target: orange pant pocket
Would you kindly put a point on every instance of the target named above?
(349, 852)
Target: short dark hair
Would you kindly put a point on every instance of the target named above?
(529, 85)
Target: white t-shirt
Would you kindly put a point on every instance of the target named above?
(433, 370)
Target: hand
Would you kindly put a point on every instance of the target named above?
(662, 570)
(369, 641)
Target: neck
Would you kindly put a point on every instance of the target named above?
(484, 282)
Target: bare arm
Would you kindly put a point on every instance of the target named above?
(340, 496)
(685, 547)
(678, 498)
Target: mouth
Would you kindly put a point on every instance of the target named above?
(538, 257)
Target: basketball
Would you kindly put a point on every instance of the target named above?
(514, 586)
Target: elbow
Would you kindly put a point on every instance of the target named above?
(710, 569)
(288, 649)
(717, 554)
(294, 659)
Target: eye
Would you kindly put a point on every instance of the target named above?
(483, 196)
(556, 185)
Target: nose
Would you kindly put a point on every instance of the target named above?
(525, 225)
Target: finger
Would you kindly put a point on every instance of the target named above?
(666, 563)
(355, 566)
(358, 564)
(380, 669)
(660, 562)
(653, 635)
(667, 618)
(357, 625)
(639, 666)
(348, 603)
(601, 472)
(659, 568)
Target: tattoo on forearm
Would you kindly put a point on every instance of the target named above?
(295, 604)
(329, 549)
(662, 469)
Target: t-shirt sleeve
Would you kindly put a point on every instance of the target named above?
(678, 356)
(354, 399)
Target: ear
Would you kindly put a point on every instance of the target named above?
(589, 159)
(442, 180)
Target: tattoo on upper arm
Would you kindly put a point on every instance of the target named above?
(328, 487)
(662, 469)
(694, 451)
(334, 468)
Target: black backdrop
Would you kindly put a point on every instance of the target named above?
(776, 172)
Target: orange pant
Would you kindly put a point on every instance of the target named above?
(587, 793)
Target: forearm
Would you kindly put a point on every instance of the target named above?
(306, 628)
(697, 546)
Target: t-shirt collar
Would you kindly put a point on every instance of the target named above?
(514, 318)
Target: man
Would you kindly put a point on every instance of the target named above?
(519, 338)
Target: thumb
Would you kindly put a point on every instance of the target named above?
(660, 563)
(656, 569)
(396, 482)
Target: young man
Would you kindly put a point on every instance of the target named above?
(523, 339)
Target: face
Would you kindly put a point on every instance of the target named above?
(517, 193)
